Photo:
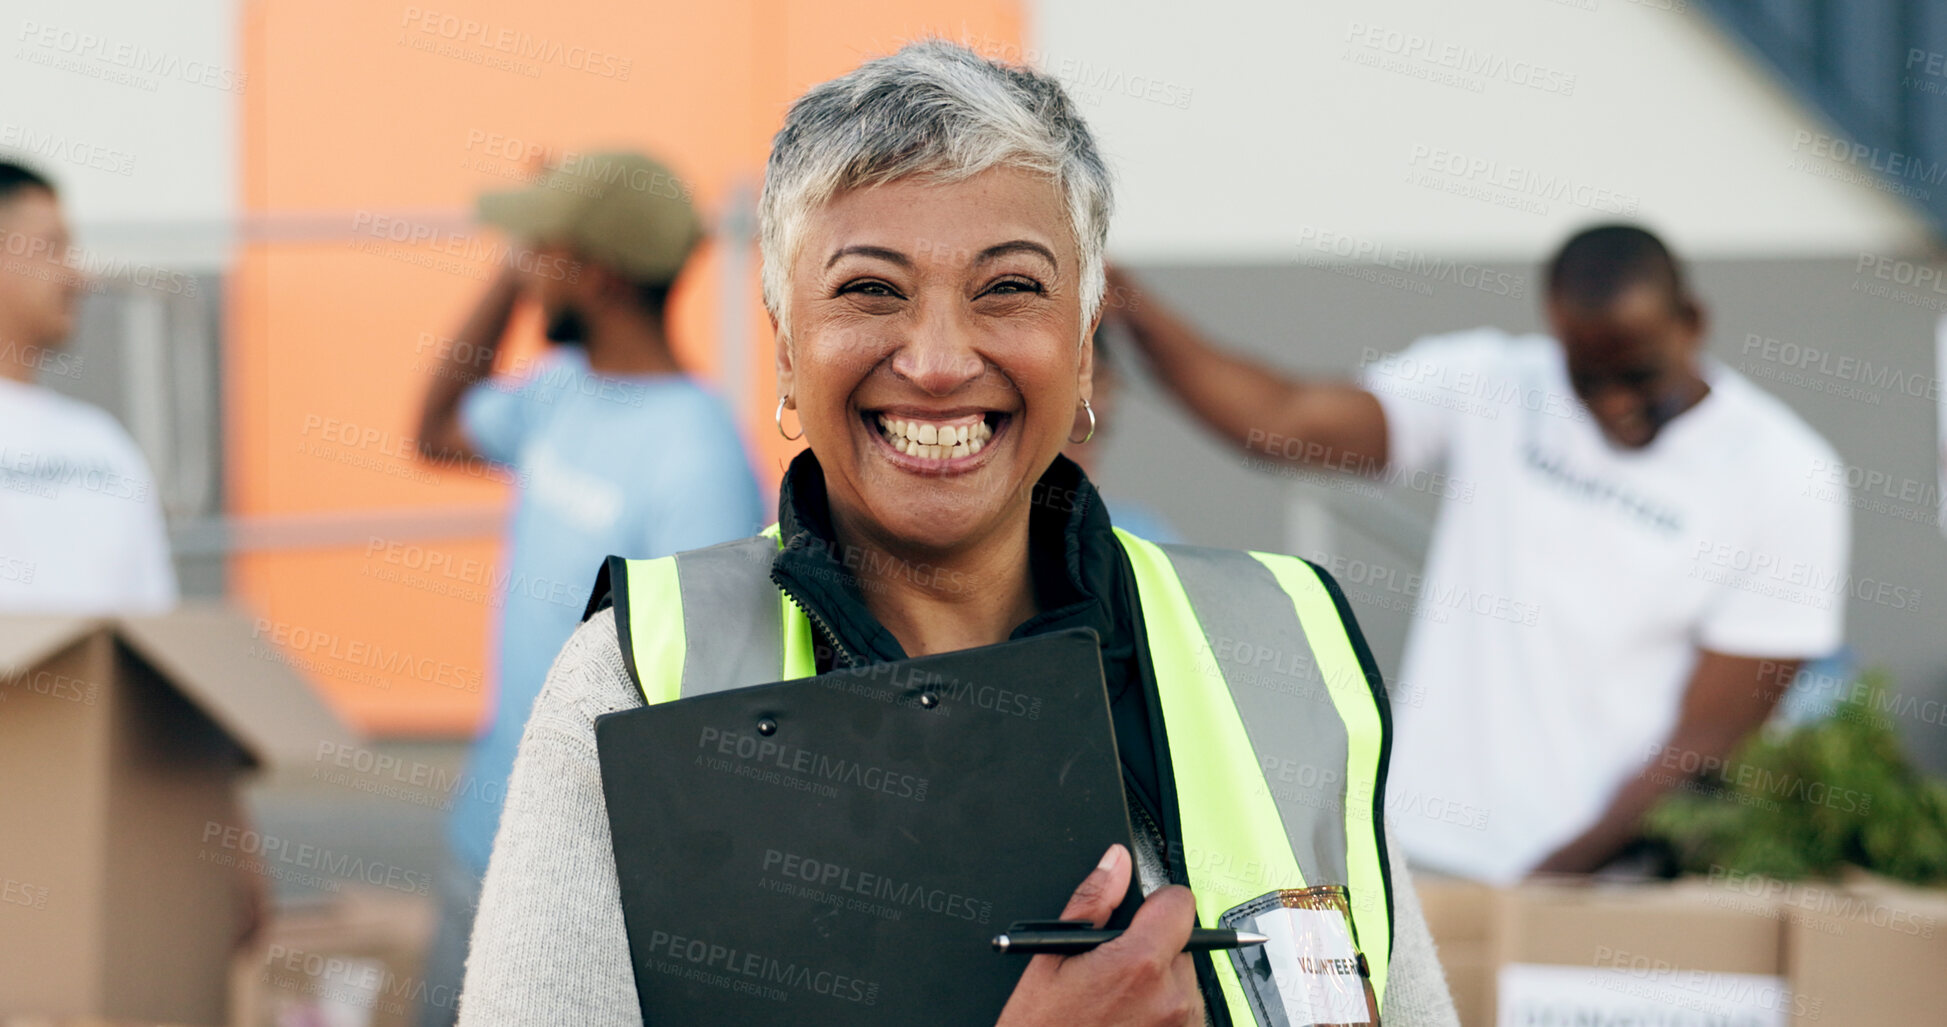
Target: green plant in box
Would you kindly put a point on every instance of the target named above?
(1807, 801)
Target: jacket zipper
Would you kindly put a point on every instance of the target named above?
(1152, 832)
(818, 623)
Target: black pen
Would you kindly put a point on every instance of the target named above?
(1067, 942)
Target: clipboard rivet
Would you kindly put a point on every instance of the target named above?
(766, 726)
(929, 699)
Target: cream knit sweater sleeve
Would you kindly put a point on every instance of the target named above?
(548, 945)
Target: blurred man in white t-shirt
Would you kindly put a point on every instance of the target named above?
(80, 526)
(1626, 570)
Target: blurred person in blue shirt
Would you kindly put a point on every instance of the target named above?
(614, 450)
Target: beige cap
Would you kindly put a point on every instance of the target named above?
(620, 209)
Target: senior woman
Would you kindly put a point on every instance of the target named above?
(932, 230)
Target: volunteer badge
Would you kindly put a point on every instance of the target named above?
(1311, 973)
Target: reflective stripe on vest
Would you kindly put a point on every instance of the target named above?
(1259, 681)
(1257, 674)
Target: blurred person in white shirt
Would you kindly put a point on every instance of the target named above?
(81, 528)
(1626, 572)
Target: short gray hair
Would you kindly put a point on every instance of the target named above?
(938, 110)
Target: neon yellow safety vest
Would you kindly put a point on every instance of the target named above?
(1277, 724)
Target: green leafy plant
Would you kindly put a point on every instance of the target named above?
(1808, 801)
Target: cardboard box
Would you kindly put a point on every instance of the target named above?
(1679, 953)
(122, 741)
(355, 961)
(1463, 916)
(1870, 951)
(1726, 949)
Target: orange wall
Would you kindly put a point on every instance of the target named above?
(350, 117)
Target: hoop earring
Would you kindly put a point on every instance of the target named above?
(780, 422)
(1090, 411)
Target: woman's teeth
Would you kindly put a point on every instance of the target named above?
(929, 440)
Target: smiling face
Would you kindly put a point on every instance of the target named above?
(922, 312)
(1633, 362)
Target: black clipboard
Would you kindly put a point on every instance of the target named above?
(842, 849)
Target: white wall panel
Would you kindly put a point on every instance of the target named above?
(133, 107)
(1489, 128)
